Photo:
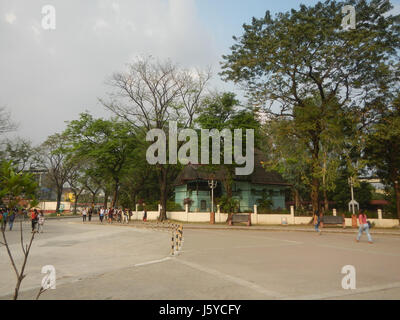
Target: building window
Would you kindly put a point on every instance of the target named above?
(203, 205)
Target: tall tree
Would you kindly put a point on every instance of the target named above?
(16, 186)
(223, 111)
(152, 93)
(306, 54)
(21, 153)
(6, 123)
(76, 178)
(54, 154)
(383, 148)
(106, 142)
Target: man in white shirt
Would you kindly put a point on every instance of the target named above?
(102, 211)
(84, 214)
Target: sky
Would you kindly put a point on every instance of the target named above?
(48, 77)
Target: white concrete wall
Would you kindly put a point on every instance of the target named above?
(256, 219)
(151, 215)
(178, 216)
(51, 206)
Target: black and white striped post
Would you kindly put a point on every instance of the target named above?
(172, 244)
(180, 236)
(176, 240)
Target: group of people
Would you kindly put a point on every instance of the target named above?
(110, 214)
(363, 223)
(7, 216)
(37, 219)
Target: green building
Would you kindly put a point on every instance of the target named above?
(192, 183)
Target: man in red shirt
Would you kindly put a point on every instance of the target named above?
(362, 219)
(34, 219)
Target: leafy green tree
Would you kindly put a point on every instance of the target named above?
(149, 95)
(6, 123)
(93, 180)
(109, 143)
(341, 194)
(383, 148)
(16, 186)
(54, 154)
(288, 156)
(303, 65)
(76, 178)
(21, 153)
(222, 111)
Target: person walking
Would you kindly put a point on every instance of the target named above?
(11, 219)
(4, 215)
(40, 222)
(363, 226)
(90, 214)
(124, 216)
(84, 214)
(317, 221)
(110, 215)
(34, 219)
(144, 214)
(101, 216)
(119, 215)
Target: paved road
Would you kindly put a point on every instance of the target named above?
(120, 262)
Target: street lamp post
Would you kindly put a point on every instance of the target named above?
(212, 184)
(352, 194)
(353, 202)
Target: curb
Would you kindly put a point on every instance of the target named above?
(233, 228)
(286, 230)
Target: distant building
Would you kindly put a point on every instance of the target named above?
(376, 183)
(192, 183)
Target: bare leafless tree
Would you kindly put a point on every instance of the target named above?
(55, 159)
(25, 249)
(152, 93)
(6, 124)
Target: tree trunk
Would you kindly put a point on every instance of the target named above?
(297, 201)
(76, 202)
(315, 194)
(326, 202)
(59, 195)
(115, 197)
(163, 194)
(105, 198)
(94, 198)
(228, 181)
(315, 180)
(133, 199)
(397, 193)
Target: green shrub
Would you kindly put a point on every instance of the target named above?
(172, 206)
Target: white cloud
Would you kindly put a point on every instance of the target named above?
(100, 24)
(36, 30)
(10, 18)
(396, 9)
(115, 7)
(65, 71)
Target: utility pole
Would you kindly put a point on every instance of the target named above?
(353, 202)
(212, 184)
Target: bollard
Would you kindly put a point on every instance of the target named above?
(172, 244)
(180, 237)
(176, 241)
